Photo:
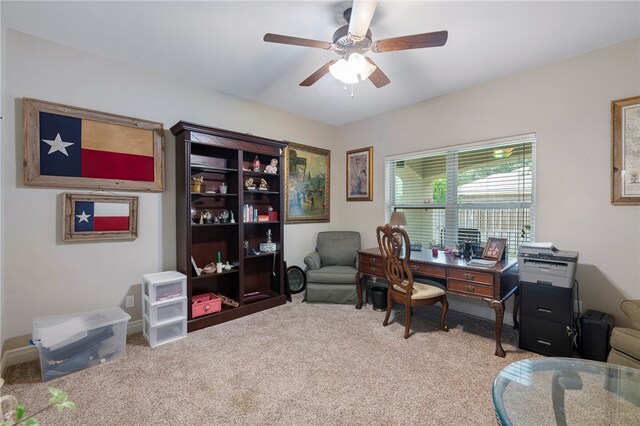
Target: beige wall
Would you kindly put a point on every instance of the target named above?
(44, 276)
(567, 105)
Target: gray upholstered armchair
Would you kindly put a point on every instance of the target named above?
(331, 269)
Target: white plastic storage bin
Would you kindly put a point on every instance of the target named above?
(72, 342)
(166, 311)
(164, 285)
(164, 333)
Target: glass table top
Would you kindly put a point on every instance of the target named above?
(561, 391)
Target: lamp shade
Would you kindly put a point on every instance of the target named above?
(352, 70)
(398, 219)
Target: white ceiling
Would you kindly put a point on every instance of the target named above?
(219, 44)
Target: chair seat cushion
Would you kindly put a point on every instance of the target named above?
(422, 291)
(626, 340)
(333, 275)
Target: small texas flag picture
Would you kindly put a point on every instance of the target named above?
(93, 217)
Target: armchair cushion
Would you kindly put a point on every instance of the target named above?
(312, 260)
(631, 309)
(333, 275)
(338, 247)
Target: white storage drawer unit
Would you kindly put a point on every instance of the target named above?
(166, 311)
(72, 342)
(165, 333)
(164, 307)
(164, 285)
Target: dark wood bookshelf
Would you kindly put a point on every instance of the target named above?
(220, 157)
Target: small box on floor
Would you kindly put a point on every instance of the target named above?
(595, 333)
(73, 342)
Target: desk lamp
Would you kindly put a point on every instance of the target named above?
(398, 219)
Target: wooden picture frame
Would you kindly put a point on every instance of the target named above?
(99, 217)
(359, 174)
(625, 148)
(307, 172)
(66, 146)
(494, 248)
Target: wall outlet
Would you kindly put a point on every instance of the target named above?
(577, 306)
(130, 301)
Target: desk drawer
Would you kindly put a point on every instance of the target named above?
(471, 289)
(370, 258)
(371, 268)
(429, 270)
(474, 277)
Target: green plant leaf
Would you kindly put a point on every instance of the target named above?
(32, 422)
(20, 410)
(69, 405)
(58, 395)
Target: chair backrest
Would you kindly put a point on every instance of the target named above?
(391, 240)
(338, 247)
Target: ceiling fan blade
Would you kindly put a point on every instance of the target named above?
(416, 41)
(378, 78)
(321, 72)
(296, 41)
(361, 15)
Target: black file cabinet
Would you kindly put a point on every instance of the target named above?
(546, 319)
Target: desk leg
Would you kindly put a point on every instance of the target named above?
(359, 289)
(498, 307)
(516, 307)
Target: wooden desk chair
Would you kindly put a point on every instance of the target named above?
(402, 288)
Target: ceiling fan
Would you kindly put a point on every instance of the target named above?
(352, 41)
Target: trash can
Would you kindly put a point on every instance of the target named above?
(379, 298)
(595, 332)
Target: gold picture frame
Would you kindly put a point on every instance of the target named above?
(67, 146)
(307, 171)
(99, 217)
(359, 174)
(494, 248)
(625, 151)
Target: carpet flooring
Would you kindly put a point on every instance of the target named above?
(297, 364)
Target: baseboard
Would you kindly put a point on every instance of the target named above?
(30, 353)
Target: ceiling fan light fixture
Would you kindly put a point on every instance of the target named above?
(352, 70)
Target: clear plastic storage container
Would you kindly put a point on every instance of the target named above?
(71, 342)
(166, 285)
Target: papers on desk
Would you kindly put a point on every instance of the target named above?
(482, 263)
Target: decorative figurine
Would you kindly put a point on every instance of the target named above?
(233, 220)
(272, 167)
(263, 185)
(206, 216)
(249, 184)
(223, 215)
(256, 164)
(194, 212)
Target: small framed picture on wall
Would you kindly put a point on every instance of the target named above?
(359, 174)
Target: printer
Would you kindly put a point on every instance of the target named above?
(542, 263)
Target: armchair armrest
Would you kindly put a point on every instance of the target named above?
(312, 260)
(631, 309)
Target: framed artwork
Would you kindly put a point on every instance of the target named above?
(359, 174)
(99, 217)
(494, 248)
(80, 148)
(625, 139)
(306, 183)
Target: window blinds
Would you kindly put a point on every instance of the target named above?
(475, 191)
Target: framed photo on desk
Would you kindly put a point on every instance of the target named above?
(494, 248)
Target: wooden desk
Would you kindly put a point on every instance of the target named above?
(493, 285)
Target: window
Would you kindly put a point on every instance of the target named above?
(476, 191)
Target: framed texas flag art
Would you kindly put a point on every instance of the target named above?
(99, 217)
(80, 148)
